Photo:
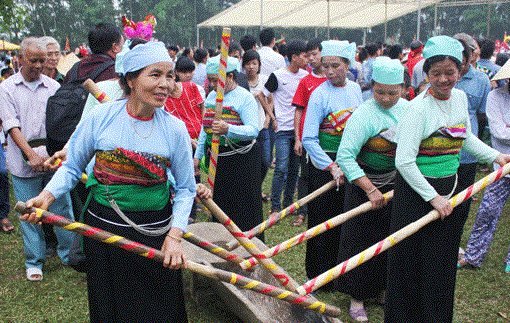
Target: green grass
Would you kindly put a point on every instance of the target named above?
(482, 296)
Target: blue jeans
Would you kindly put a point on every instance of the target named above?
(286, 170)
(33, 235)
(4, 187)
(266, 139)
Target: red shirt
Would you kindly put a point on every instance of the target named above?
(187, 108)
(302, 95)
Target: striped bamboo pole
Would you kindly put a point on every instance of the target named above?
(84, 177)
(157, 255)
(96, 91)
(283, 213)
(212, 248)
(398, 236)
(312, 232)
(268, 263)
(220, 91)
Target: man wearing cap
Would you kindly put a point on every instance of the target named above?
(238, 164)
(329, 107)
(367, 157)
(496, 194)
(477, 86)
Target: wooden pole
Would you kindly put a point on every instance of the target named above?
(212, 248)
(283, 213)
(220, 91)
(269, 264)
(313, 232)
(398, 236)
(157, 255)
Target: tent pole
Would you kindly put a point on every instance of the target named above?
(435, 21)
(419, 21)
(329, 26)
(261, 14)
(385, 20)
(364, 36)
(198, 36)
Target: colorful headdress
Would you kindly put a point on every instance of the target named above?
(142, 29)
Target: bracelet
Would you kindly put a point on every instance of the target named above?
(174, 237)
(372, 191)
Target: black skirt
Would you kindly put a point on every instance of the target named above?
(123, 286)
(237, 187)
(322, 250)
(359, 233)
(422, 267)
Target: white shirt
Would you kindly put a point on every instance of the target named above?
(254, 90)
(283, 84)
(270, 60)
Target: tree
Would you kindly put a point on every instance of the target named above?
(12, 17)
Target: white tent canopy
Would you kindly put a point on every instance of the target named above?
(351, 14)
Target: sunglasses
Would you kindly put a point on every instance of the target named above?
(35, 60)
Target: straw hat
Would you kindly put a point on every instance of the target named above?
(66, 62)
(504, 72)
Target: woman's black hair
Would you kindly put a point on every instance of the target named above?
(130, 75)
(184, 64)
(200, 55)
(362, 55)
(250, 55)
(136, 41)
(123, 80)
(439, 58)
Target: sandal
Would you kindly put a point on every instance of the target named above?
(34, 274)
(462, 264)
(359, 315)
(7, 226)
(300, 219)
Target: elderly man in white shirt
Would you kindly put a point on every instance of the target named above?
(23, 109)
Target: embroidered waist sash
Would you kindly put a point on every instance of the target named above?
(228, 115)
(331, 129)
(137, 181)
(378, 153)
(439, 154)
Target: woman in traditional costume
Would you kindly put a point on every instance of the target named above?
(422, 268)
(237, 188)
(135, 143)
(329, 107)
(367, 157)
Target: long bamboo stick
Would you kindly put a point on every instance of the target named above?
(398, 236)
(220, 91)
(283, 213)
(312, 232)
(268, 263)
(157, 255)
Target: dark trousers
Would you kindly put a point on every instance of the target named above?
(322, 250)
(422, 267)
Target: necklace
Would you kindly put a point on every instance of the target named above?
(150, 132)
